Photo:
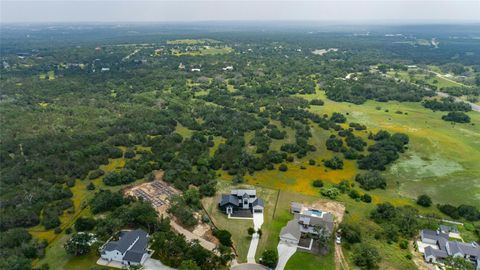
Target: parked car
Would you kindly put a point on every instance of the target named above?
(338, 240)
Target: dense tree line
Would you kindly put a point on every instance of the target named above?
(446, 104)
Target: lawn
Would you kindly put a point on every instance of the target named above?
(205, 51)
(238, 228)
(308, 261)
(433, 80)
(442, 159)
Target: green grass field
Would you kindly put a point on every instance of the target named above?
(308, 261)
(238, 227)
(434, 80)
(191, 41)
(442, 159)
(206, 51)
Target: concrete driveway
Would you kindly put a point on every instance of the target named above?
(257, 220)
(285, 251)
(152, 264)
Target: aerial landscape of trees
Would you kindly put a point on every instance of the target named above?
(74, 139)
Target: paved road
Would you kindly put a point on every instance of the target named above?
(474, 106)
(285, 251)
(248, 266)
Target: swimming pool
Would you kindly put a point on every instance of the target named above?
(313, 212)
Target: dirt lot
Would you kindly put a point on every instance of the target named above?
(159, 193)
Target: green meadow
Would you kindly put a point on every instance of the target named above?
(442, 159)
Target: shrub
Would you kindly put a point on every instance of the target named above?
(371, 180)
(224, 236)
(424, 200)
(338, 118)
(351, 233)
(130, 153)
(366, 198)
(354, 194)
(331, 193)
(125, 176)
(458, 117)
(317, 183)
(95, 174)
(365, 256)
(317, 102)
(269, 258)
(403, 244)
(334, 163)
(70, 182)
(91, 186)
(283, 168)
(84, 224)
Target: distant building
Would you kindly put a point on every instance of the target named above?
(181, 66)
(228, 68)
(195, 70)
(241, 199)
(130, 249)
(438, 247)
(105, 69)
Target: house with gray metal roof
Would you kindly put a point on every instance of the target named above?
(439, 247)
(306, 221)
(241, 199)
(129, 249)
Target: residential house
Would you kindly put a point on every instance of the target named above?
(440, 247)
(241, 199)
(306, 221)
(130, 249)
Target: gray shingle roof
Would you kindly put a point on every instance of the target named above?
(291, 228)
(429, 251)
(455, 247)
(241, 192)
(127, 239)
(434, 235)
(226, 199)
(259, 202)
(133, 256)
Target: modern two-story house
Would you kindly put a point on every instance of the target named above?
(306, 221)
(241, 199)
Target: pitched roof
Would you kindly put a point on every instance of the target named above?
(454, 247)
(296, 205)
(325, 220)
(291, 230)
(434, 235)
(127, 239)
(228, 199)
(258, 202)
(133, 256)
(241, 192)
(429, 251)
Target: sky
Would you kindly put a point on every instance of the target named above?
(347, 11)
